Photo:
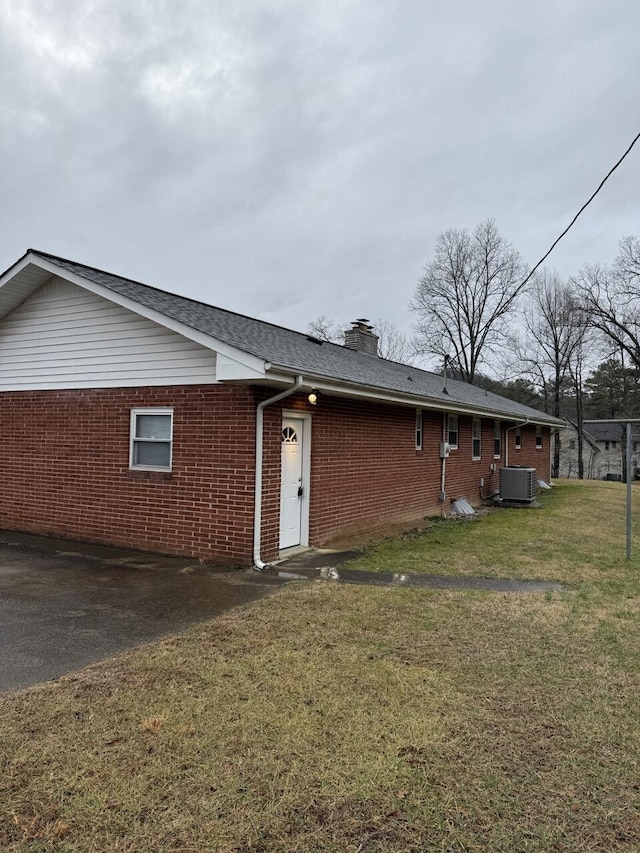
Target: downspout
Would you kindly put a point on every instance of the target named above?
(506, 440)
(443, 461)
(257, 504)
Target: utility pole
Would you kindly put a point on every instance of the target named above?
(628, 468)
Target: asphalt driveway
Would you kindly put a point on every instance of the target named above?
(64, 605)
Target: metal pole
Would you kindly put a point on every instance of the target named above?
(628, 491)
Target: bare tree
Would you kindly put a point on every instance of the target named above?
(553, 331)
(577, 370)
(392, 344)
(325, 329)
(627, 263)
(611, 298)
(465, 295)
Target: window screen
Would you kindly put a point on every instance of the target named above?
(151, 439)
(476, 446)
(453, 431)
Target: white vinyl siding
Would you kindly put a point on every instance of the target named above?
(67, 337)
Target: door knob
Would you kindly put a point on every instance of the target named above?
(299, 491)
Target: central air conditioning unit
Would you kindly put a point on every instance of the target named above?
(518, 484)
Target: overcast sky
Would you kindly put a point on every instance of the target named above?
(290, 158)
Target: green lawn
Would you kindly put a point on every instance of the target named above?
(355, 719)
(578, 536)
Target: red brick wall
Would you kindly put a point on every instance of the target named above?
(64, 458)
(463, 473)
(529, 454)
(64, 461)
(365, 470)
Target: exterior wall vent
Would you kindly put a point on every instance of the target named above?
(518, 484)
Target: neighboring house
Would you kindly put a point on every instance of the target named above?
(568, 437)
(611, 440)
(135, 417)
(603, 449)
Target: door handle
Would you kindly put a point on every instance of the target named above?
(299, 491)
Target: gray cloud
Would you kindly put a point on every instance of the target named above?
(288, 159)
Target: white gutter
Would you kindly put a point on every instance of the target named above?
(366, 392)
(257, 505)
(506, 440)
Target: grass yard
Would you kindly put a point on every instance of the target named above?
(581, 538)
(356, 719)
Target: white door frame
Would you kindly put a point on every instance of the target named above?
(305, 417)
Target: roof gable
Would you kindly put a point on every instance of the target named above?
(64, 336)
(35, 269)
(608, 430)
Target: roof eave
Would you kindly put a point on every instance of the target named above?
(371, 392)
(5, 275)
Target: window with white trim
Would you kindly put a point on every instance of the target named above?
(452, 431)
(418, 429)
(518, 438)
(538, 438)
(476, 444)
(151, 439)
(497, 439)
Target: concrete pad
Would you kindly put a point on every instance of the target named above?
(64, 604)
(328, 565)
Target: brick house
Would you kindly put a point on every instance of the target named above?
(136, 417)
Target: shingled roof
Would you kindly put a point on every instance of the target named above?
(300, 353)
(609, 429)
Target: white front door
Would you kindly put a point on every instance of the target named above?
(292, 489)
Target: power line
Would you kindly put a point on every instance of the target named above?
(584, 207)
